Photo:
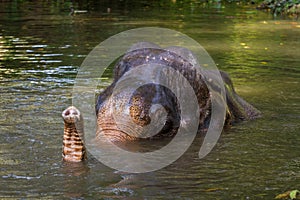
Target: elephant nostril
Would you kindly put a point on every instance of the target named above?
(67, 113)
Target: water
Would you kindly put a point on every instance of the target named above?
(42, 47)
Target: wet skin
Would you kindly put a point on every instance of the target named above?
(139, 103)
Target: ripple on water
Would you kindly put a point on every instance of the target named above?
(255, 160)
(14, 176)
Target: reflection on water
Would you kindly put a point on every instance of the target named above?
(42, 47)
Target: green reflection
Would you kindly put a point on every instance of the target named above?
(42, 46)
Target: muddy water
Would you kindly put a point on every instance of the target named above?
(42, 47)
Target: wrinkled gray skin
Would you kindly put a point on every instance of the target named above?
(139, 104)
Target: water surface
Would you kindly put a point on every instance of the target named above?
(42, 47)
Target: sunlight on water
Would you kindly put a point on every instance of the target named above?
(41, 50)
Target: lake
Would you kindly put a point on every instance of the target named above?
(42, 47)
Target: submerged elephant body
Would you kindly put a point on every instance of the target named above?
(134, 110)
